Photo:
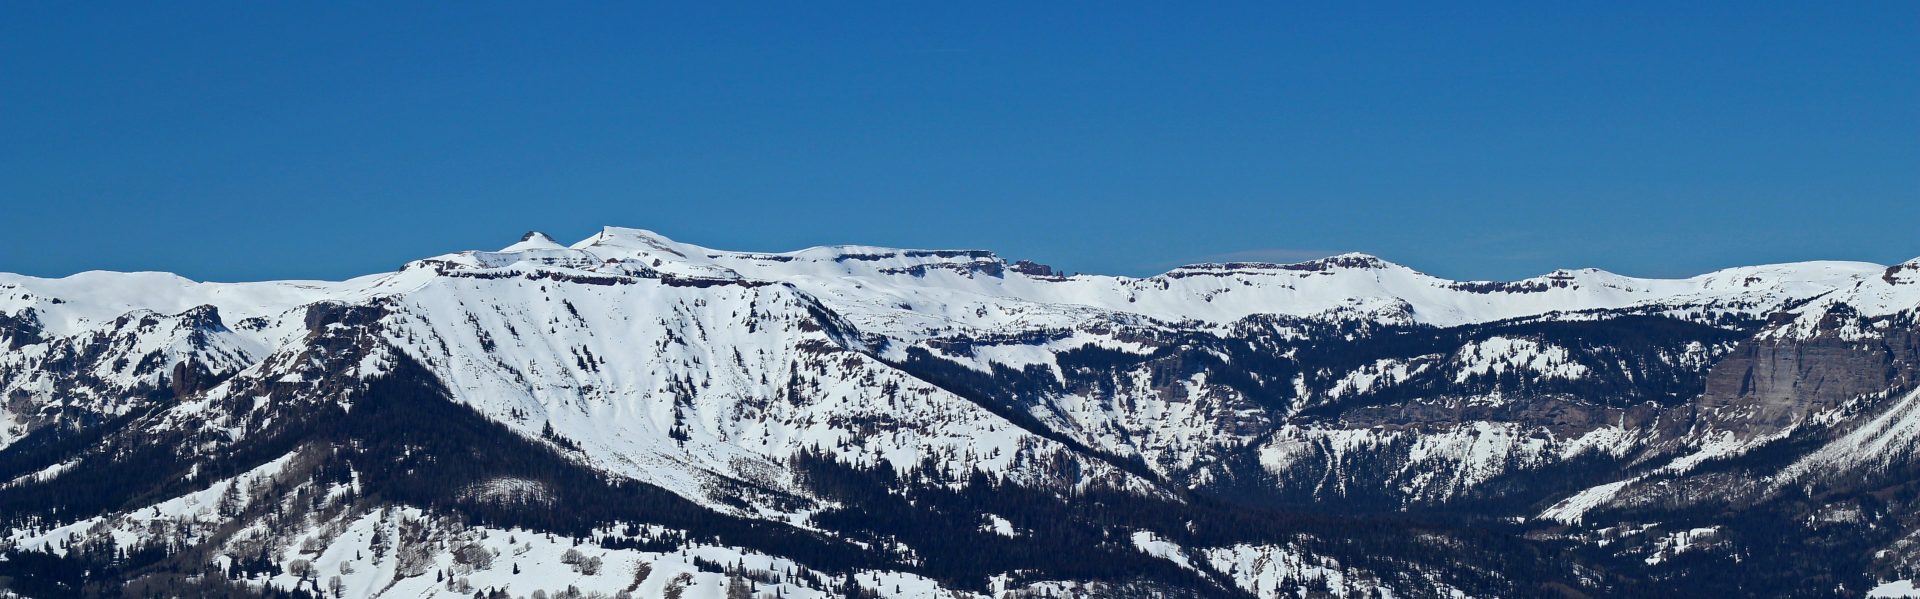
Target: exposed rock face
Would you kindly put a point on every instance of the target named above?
(19, 330)
(1034, 269)
(190, 377)
(1769, 384)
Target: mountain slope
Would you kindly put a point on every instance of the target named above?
(854, 419)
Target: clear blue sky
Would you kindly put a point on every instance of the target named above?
(250, 140)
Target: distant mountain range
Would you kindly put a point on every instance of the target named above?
(633, 416)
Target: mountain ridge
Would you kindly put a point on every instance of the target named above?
(893, 407)
(1829, 273)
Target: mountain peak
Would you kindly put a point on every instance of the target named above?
(632, 239)
(534, 240)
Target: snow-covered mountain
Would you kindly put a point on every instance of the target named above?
(861, 420)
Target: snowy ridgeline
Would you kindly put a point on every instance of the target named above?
(710, 374)
(651, 355)
(904, 293)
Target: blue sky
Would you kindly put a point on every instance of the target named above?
(250, 140)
